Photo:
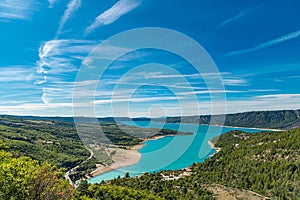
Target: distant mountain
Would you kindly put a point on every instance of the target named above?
(283, 119)
(81, 119)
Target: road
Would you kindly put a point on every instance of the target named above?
(67, 174)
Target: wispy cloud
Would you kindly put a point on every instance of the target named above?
(114, 13)
(16, 9)
(284, 38)
(158, 74)
(16, 73)
(58, 56)
(52, 2)
(172, 108)
(235, 18)
(227, 78)
(72, 7)
(279, 96)
(265, 102)
(235, 82)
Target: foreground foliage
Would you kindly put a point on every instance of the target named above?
(23, 178)
(94, 192)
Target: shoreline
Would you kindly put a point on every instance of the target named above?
(124, 158)
(212, 145)
(263, 129)
(132, 156)
(154, 138)
(253, 128)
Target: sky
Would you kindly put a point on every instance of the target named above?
(254, 44)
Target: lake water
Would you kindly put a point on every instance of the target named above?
(171, 152)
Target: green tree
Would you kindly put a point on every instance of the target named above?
(24, 178)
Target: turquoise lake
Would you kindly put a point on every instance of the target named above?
(171, 152)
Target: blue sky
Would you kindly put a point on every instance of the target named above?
(254, 44)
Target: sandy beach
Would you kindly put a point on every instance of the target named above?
(122, 158)
(262, 129)
(155, 138)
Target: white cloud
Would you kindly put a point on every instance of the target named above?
(42, 81)
(52, 2)
(176, 76)
(58, 56)
(279, 96)
(235, 18)
(235, 82)
(109, 52)
(72, 7)
(38, 109)
(17, 9)
(121, 8)
(17, 73)
(284, 38)
(142, 99)
(45, 99)
(264, 102)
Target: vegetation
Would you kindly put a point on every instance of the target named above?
(285, 119)
(267, 163)
(58, 143)
(24, 178)
(166, 189)
(93, 192)
(54, 142)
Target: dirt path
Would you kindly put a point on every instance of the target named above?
(67, 174)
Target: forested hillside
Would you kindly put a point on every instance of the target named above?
(267, 163)
(58, 143)
(281, 119)
(285, 119)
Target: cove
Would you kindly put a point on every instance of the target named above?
(171, 152)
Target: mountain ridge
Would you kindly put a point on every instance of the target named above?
(277, 119)
(280, 119)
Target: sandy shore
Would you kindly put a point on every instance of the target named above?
(262, 129)
(212, 145)
(121, 158)
(155, 138)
